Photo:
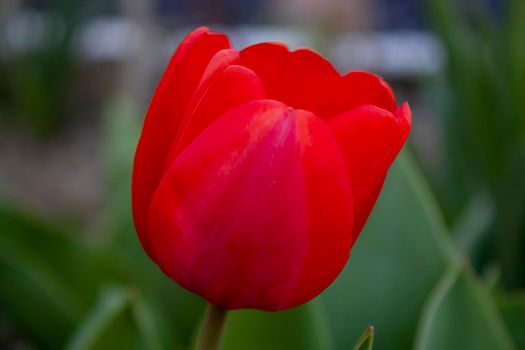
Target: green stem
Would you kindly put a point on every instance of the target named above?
(211, 328)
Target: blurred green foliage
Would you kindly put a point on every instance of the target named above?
(512, 308)
(366, 342)
(483, 113)
(300, 328)
(457, 307)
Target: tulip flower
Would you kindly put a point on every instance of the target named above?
(257, 169)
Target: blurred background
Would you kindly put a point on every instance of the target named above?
(441, 263)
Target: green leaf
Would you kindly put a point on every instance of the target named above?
(393, 267)
(512, 309)
(460, 315)
(46, 278)
(473, 225)
(49, 280)
(147, 324)
(299, 328)
(120, 319)
(110, 305)
(34, 298)
(366, 342)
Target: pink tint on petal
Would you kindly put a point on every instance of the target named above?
(256, 212)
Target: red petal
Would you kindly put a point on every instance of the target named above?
(165, 112)
(363, 88)
(310, 82)
(219, 62)
(268, 61)
(234, 86)
(257, 211)
(370, 138)
(302, 79)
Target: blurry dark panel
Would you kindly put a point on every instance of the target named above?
(218, 11)
(400, 14)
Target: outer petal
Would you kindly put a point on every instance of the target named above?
(257, 211)
(370, 138)
(165, 112)
(363, 88)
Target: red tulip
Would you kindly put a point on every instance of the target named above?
(257, 169)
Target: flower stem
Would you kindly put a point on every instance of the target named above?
(211, 328)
